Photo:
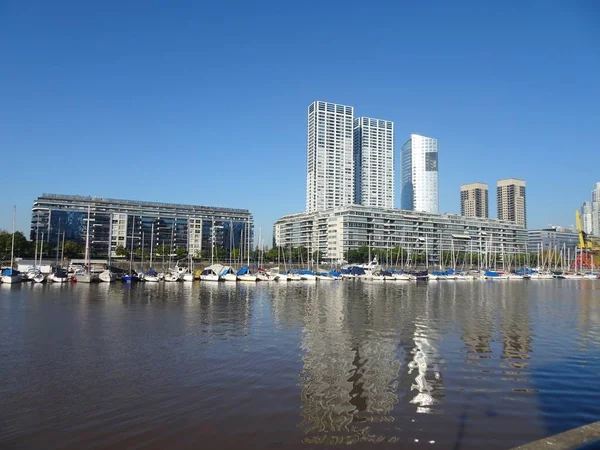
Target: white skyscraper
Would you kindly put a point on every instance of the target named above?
(374, 162)
(420, 174)
(330, 163)
(596, 210)
(586, 218)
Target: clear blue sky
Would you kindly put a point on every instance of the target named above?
(205, 102)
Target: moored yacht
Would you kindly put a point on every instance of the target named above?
(211, 273)
(244, 274)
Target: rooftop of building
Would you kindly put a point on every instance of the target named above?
(474, 184)
(380, 210)
(509, 181)
(82, 198)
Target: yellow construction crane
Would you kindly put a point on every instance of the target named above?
(590, 247)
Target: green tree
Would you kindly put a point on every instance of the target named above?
(73, 249)
(121, 251)
(272, 255)
(162, 250)
(220, 254)
(180, 252)
(22, 246)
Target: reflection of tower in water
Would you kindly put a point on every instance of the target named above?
(350, 372)
(477, 323)
(224, 308)
(515, 326)
(420, 339)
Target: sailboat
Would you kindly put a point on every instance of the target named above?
(108, 276)
(189, 275)
(228, 273)
(10, 275)
(131, 276)
(173, 274)
(85, 275)
(59, 275)
(151, 275)
(244, 273)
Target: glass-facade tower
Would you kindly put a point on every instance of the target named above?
(146, 225)
(420, 174)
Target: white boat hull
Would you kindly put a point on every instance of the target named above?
(39, 278)
(188, 277)
(152, 278)
(209, 277)
(54, 279)
(107, 276)
(308, 277)
(247, 277)
(11, 279)
(328, 278)
(401, 277)
(541, 276)
(229, 277)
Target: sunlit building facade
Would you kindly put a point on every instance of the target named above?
(330, 156)
(558, 238)
(420, 174)
(335, 231)
(374, 162)
(512, 201)
(586, 218)
(136, 224)
(474, 200)
(596, 210)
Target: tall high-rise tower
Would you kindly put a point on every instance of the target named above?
(420, 174)
(512, 205)
(586, 217)
(330, 164)
(474, 200)
(596, 210)
(374, 162)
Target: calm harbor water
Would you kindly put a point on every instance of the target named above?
(465, 365)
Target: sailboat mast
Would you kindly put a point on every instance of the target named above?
(37, 227)
(248, 242)
(62, 253)
(142, 262)
(12, 246)
(151, 243)
(57, 243)
(131, 246)
(110, 219)
(87, 241)
(41, 248)
(230, 240)
(426, 255)
(212, 242)
(172, 234)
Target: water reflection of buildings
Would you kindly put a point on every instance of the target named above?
(420, 340)
(589, 316)
(350, 373)
(477, 322)
(515, 325)
(224, 308)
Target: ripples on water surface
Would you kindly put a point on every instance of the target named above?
(447, 365)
